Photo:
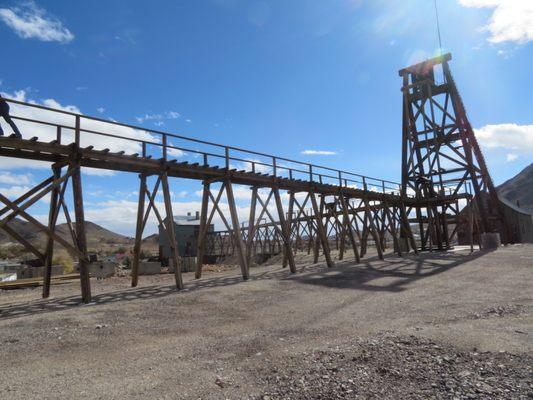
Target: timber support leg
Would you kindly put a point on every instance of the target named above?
(237, 234)
(80, 235)
(52, 220)
(321, 232)
(285, 230)
(171, 232)
(202, 233)
(138, 231)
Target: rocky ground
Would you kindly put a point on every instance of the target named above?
(444, 326)
(391, 367)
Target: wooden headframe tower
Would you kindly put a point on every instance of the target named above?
(441, 157)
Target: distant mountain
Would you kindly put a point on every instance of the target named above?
(97, 236)
(519, 190)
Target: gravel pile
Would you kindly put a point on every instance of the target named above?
(391, 367)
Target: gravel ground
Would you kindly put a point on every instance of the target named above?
(443, 325)
(391, 367)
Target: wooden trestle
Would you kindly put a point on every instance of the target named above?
(324, 210)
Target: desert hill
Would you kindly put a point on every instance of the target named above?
(519, 190)
(98, 238)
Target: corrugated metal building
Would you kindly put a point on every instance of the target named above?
(519, 222)
(187, 229)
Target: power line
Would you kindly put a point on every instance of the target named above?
(438, 25)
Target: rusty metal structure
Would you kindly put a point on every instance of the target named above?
(294, 206)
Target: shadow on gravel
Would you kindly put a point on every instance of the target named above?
(401, 271)
(345, 275)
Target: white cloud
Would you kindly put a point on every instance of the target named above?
(100, 110)
(511, 20)
(319, 152)
(510, 157)
(121, 215)
(15, 191)
(8, 163)
(32, 22)
(97, 171)
(15, 179)
(518, 138)
(48, 133)
(158, 117)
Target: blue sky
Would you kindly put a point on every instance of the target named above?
(280, 77)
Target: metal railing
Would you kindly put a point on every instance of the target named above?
(152, 143)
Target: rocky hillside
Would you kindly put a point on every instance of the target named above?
(98, 237)
(519, 190)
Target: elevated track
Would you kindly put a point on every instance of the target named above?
(324, 203)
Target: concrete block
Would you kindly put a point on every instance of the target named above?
(149, 267)
(490, 241)
(38, 272)
(102, 269)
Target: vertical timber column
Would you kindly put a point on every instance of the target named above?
(202, 233)
(372, 229)
(251, 226)
(52, 219)
(171, 232)
(321, 231)
(289, 227)
(285, 229)
(406, 227)
(138, 231)
(80, 233)
(241, 251)
(349, 228)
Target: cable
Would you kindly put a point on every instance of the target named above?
(438, 26)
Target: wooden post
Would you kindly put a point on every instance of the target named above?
(251, 226)
(241, 251)
(80, 235)
(349, 228)
(52, 220)
(406, 227)
(470, 225)
(285, 231)
(289, 228)
(392, 224)
(202, 233)
(171, 232)
(372, 229)
(138, 231)
(321, 233)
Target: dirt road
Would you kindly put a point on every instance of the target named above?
(442, 325)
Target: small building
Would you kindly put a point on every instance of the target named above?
(519, 222)
(187, 229)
